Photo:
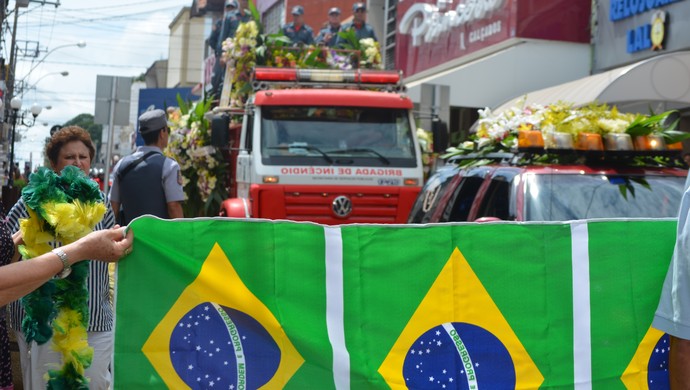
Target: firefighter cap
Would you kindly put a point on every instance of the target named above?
(152, 120)
(298, 10)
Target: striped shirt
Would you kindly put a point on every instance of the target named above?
(100, 307)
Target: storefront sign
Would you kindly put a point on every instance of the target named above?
(434, 32)
(430, 34)
(425, 22)
(648, 36)
(634, 30)
(621, 9)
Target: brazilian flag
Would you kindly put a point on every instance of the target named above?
(248, 304)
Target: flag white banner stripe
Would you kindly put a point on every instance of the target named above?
(335, 312)
(582, 334)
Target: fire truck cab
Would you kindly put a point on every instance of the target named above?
(325, 146)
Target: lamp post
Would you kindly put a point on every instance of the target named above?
(17, 118)
(64, 73)
(79, 44)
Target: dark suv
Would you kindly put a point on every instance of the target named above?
(548, 193)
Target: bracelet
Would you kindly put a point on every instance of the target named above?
(66, 267)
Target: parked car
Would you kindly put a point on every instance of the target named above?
(551, 192)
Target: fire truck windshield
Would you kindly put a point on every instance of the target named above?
(306, 135)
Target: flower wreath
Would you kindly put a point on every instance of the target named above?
(61, 209)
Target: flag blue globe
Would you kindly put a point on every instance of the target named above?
(214, 346)
(657, 368)
(458, 355)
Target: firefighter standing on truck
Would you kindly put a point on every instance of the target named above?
(147, 182)
(329, 33)
(359, 23)
(297, 31)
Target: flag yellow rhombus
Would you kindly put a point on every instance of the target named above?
(218, 296)
(457, 333)
(636, 374)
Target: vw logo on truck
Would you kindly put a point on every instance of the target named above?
(342, 206)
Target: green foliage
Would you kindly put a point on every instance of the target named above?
(256, 15)
(350, 38)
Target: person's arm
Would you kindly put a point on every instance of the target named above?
(310, 36)
(19, 279)
(215, 33)
(679, 363)
(114, 192)
(175, 210)
(173, 188)
(321, 37)
(116, 209)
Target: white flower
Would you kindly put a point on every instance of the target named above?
(366, 42)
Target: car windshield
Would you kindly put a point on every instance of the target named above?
(300, 135)
(569, 197)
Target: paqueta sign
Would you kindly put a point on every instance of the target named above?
(432, 33)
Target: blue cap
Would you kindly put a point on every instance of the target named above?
(231, 3)
(358, 6)
(334, 10)
(298, 10)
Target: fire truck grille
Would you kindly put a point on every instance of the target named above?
(338, 208)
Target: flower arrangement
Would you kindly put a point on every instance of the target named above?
(371, 54)
(61, 209)
(203, 168)
(499, 132)
(250, 48)
(239, 54)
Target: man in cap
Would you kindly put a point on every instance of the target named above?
(359, 23)
(233, 20)
(329, 34)
(147, 182)
(214, 39)
(297, 31)
(215, 42)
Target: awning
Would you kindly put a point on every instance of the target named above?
(665, 78)
(487, 79)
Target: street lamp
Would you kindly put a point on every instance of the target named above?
(19, 118)
(22, 89)
(79, 44)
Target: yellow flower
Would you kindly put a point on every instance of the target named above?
(525, 127)
(91, 213)
(70, 339)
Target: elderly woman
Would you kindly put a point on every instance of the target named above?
(71, 145)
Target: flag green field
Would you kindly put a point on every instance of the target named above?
(243, 304)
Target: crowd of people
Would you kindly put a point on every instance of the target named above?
(297, 31)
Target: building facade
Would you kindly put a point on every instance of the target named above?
(458, 56)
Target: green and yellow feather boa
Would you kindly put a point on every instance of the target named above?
(62, 208)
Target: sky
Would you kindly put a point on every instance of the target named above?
(123, 38)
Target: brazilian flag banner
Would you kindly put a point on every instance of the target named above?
(248, 304)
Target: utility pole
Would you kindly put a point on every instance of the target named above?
(9, 194)
(9, 76)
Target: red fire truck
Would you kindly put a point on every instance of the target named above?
(325, 146)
